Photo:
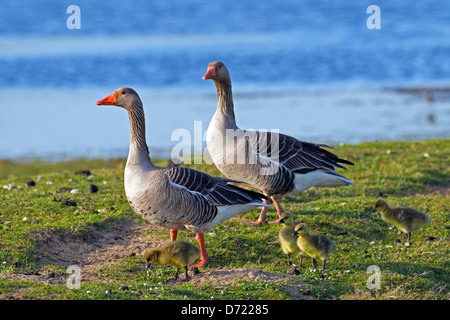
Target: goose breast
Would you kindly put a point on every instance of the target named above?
(168, 204)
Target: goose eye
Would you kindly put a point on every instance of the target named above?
(123, 92)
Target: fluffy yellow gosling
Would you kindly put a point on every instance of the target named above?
(316, 246)
(405, 219)
(288, 241)
(176, 253)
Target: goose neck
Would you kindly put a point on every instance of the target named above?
(139, 153)
(225, 97)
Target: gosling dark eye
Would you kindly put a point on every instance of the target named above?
(123, 92)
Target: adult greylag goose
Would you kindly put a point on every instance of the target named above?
(176, 198)
(271, 162)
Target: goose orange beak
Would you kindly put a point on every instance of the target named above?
(211, 72)
(109, 100)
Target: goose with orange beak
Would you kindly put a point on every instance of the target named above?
(176, 198)
(271, 162)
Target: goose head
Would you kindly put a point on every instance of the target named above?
(217, 72)
(123, 97)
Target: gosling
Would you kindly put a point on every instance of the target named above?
(288, 241)
(316, 246)
(406, 219)
(179, 254)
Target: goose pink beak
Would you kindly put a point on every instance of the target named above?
(211, 72)
(109, 100)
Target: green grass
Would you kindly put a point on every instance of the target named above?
(412, 174)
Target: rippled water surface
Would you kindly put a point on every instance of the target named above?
(311, 69)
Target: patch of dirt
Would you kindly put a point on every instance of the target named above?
(441, 189)
(227, 276)
(438, 189)
(96, 247)
(112, 243)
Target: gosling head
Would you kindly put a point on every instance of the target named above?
(286, 218)
(381, 205)
(301, 229)
(150, 256)
(217, 72)
(123, 97)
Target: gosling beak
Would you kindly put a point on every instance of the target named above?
(109, 100)
(281, 221)
(373, 210)
(295, 233)
(148, 266)
(211, 72)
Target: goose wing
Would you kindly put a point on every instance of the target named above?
(218, 191)
(296, 155)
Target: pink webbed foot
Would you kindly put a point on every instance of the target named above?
(262, 216)
(278, 207)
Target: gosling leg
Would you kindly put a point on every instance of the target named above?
(324, 263)
(314, 263)
(176, 273)
(186, 271)
(289, 259)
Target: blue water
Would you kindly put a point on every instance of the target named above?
(267, 45)
(261, 41)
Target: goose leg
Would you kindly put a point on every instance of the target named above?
(203, 254)
(262, 215)
(173, 234)
(279, 210)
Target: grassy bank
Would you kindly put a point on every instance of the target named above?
(58, 222)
